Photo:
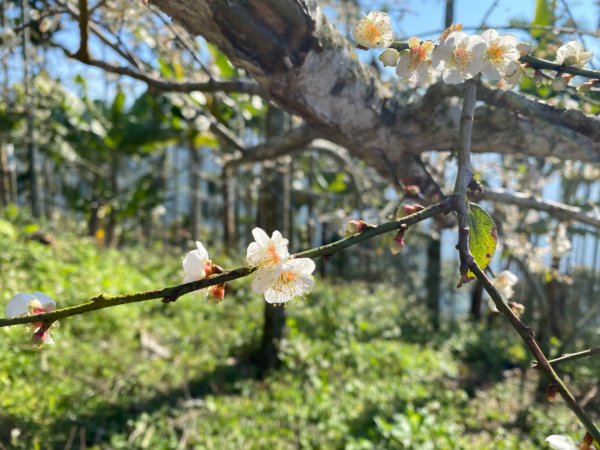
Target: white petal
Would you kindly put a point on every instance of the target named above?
(489, 35)
(193, 266)
(263, 278)
(455, 38)
(260, 236)
(439, 56)
(44, 299)
(304, 266)
(560, 442)
(491, 73)
(452, 76)
(19, 304)
(202, 251)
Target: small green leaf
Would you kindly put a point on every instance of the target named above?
(482, 236)
(544, 17)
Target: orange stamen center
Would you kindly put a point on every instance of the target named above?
(372, 32)
(272, 252)
(495, 53)
(462, 57)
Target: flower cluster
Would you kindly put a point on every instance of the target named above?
(25, 303)
(278, 277)
(457, 56)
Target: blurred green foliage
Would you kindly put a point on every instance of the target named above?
(362, 368)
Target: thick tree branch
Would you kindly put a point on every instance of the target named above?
(84, 19)
(172, 293)
(290, 48)
(529, 201)
(573, 119)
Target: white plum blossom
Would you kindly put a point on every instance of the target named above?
(285, 281)
(573, 54)
(504, 283)
(415, 62)
(267, 251)
(374, 31)
(196, 266)
(560, 442)
(501, 55)
(460, 57)
(26, 303)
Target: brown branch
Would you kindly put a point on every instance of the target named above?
(569, 357)
(170, 294)
(528, 337)
(573, 119)
(163, 85)
(465, 175)
(84, 19)
(556, 209)
(292, 141)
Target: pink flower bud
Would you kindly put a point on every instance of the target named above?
(356, 226)
(217, 292)
(397, 243)
(412, 190)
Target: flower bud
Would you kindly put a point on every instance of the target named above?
(538, 78)
(356, 226)
(397, 243)
(551, 392)
(412, 190)
(517, 308)
(389, 57)
(217, 293)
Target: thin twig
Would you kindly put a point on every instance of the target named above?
(528, 337)
(569, 357)
(172, 293)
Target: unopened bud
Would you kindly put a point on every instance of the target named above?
(538, 78)
(356, 226)
(389, 57)
(217, 293)
(397, 243)
(551, 392)
(412, 190)
(517, 308)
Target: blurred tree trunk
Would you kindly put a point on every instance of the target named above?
(433, 278)
(4, 178)
(111, 227)
(273, 214)
(229, 202)
(195, 194)
(32, 151)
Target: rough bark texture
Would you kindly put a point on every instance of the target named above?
(297, 57)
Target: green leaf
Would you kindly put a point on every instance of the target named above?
(544, 16)
(482, 236)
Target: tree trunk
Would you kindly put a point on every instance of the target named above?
(32, 151)
(273, 214)
(229, 201)
(433, 278)
(195, 194)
